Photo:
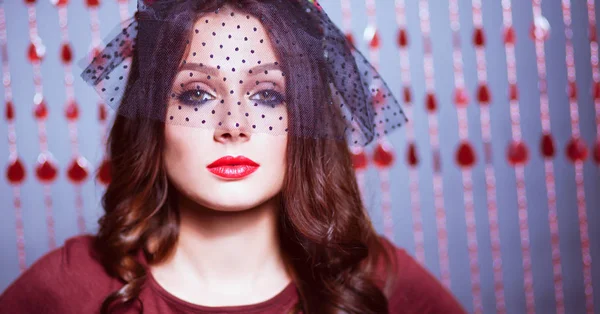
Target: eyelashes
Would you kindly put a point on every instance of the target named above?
(193, 97)
(270, 97)
(198, 97)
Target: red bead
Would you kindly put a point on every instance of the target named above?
(378, 98)
(104, 176)
(383, 156)
(30, 1)
(547, 146)
(66, 53)
(576, 150)
(431, 102)
(478, 37)
(513, 92)
(402, 38)
(77, 171)
(9, 111)
(465, 155)
(45, 170)
(509, 35)
(375, 42)
(593, 34)
(15, 172)
(350, 39)
(359, 159)
(412, 157)
(102, 114)
(540, 29)
(461, 99)
(597, 152)
(92, 3)
(597, 91)
(59, 2)
(95, 53)
(517, 153)
(316, 2)
(72, 111)
(36, 52)
(572, 90)
(483, 94)
(407, 94)
(41, 111)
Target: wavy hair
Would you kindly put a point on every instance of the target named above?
(329, 244)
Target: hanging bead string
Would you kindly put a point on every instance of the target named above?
(15, 171)
(77, 170)
(46, 169)
(411, 156)
(540, 32)
(431, 106)
(594, 59)
(359, 157)
(517, 151)
(465, 155)
(383, 156)
(124, 16)
(103, 171)
(483, 98)
(347, 20)
(577, 153)
(371, 35)
(123, 12)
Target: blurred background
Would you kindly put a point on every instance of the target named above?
(493, 185)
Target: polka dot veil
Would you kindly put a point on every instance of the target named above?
(270, 66)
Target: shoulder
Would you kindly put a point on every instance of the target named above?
(415, 289)
(75, 257)
(58, 281)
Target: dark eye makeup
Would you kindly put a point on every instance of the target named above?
(193, 97)
(198, 96)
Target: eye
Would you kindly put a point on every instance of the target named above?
(268, 97)
(194, 97)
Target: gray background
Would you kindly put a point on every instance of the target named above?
(89, 134)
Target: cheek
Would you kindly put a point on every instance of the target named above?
(183, 147)
(279, 149)
(175, 144)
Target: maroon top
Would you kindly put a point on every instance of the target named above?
(69, 280)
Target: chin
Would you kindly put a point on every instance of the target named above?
(231, 200)
(227, 195)
(229, 204)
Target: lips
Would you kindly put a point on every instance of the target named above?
(233, 167)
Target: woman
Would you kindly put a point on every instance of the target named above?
(233, 189)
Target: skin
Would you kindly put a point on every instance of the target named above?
(234, 220)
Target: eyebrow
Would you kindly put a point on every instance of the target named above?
(207, 69)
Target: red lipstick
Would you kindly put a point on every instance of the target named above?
(230, 167)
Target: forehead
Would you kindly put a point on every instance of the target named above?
(229, 36)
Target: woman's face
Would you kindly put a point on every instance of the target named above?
(227, 100)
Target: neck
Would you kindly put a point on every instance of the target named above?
(223, 249)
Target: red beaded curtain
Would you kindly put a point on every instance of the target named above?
(492, 185)
(57, 124)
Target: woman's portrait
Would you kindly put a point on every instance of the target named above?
(233, 189)
(259, 156)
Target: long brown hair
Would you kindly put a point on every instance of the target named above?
(329, 243)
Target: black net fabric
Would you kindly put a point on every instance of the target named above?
(274, 66)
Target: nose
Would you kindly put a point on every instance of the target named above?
(233, 127)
